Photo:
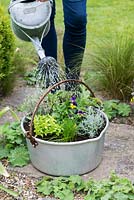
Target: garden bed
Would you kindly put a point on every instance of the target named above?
(119, 137)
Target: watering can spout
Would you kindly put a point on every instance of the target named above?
(37, 44)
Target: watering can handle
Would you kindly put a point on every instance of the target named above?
(16, 2)
(22, 1)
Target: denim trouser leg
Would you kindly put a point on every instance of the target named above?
(49, 42)
(74, 41)
(74, 37)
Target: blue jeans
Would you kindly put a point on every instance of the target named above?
(74, 40)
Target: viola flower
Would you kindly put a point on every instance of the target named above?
(80, 112)
(132, 100)
(73, 100)
(72, 106)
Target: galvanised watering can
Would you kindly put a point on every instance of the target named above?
(30, 21)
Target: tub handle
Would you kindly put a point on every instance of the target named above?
(29, 133)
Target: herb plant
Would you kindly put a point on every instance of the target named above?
(91, 124)
(71, 115)
(69, 130)
(45, 125)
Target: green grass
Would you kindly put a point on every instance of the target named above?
(109, 17)
(4, 3)
(105, 19)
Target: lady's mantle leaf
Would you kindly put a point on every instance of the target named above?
(19, 156)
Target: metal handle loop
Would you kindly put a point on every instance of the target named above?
(29, 133)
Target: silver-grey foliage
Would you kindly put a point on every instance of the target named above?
(92, 123)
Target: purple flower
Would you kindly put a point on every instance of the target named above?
(73, 100)
(80, 112)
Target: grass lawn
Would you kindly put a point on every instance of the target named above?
(105, 19)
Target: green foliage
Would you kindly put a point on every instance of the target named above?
(58, 104)
(6, 54)
(13, 144)
(4, 152)
(64, 112)
(113, 60)
(69, 130)
(114, 108)
(12, 193)
(115, 188)
(19, 156)
(30, 77)
(60, 187)
(8, 109)
(85, 99)
(123, 109)
(45, 125)
(12, 134)
(30, 103)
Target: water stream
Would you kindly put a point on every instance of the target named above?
(48, 72)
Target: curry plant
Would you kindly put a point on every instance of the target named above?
(92, 123)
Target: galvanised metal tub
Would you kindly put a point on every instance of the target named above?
(67, 158)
